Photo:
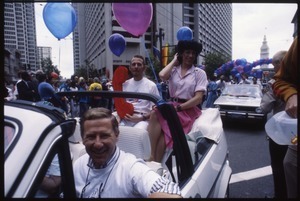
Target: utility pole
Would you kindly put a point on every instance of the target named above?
(161, 36)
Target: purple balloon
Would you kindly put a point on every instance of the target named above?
(60, 19)
(117, 44)
(135, 18)
(240, 68)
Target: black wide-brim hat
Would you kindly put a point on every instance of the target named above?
(188, 45)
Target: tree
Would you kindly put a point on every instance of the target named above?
(48, 67)
(87, 70)
(156, 66)
(214, 60)
(156, 63)
(81, 72)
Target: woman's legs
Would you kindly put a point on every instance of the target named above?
(160, 148)
(156, 136)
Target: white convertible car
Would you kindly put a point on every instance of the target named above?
(35, 133)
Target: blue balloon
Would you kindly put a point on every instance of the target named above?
(117, 44)
(270, 61)
(240, 62)
(247, 68)
(60, 19)
(234, 71)
(259, 73)
(243, 62)
(184, 33)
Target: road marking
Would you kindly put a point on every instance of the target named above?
(252, 174)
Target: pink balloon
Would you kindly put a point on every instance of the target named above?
(135, 18)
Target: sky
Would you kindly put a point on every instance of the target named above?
(62, 50)
(250, 22)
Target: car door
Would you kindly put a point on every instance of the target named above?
(31, 149)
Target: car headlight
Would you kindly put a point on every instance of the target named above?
(258, 110)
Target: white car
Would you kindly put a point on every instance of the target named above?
(198, 161)
(33, 135)
(241, 101)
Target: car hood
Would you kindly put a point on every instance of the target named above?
(238, 101)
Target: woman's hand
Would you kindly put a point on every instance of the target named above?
(175, 61)
(164, 74)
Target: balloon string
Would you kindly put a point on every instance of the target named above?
(143, 41)
(58, 54)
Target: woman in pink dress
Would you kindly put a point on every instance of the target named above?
(187, 85)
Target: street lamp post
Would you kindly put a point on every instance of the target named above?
(161, 37)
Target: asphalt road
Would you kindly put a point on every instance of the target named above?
(249, 159)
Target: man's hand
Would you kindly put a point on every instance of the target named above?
(133, 118)
(164, 195)
(291, 106)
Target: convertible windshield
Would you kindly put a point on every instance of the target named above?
(242, 91)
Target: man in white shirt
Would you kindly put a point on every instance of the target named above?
(105, 171)
(141, 84)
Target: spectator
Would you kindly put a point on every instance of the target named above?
(65, 86)
(187, 85)
(105, 102)
(9, 92)
(212, 92)
(74, 105)
(25, 88)
(16, 93)
(35, 84)
(268, 103)
(95, 86)
(236, 79)
(83, 100)
(245, 79)
(221, 84)
(6, 91)
(105, 171)
(141, 84)
(47, 92)
(286, 88)
(90, 81)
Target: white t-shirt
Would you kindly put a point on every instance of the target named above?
(142, 86)
(125, 176)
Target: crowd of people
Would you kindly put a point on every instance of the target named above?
(96, 171)
(40, 87)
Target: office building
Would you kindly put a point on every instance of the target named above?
(211, 25)
(20, 33)
(43, 53)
